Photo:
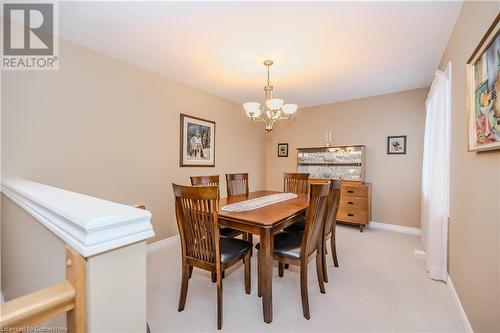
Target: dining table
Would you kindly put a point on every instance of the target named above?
(264, 222)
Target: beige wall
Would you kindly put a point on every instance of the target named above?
(28, 250)
(111, 130)
(474, 231)
(395, 178)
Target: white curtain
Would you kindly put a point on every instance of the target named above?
(436, 175)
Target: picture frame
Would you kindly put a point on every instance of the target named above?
(483, 92)
(282, 149)
(197, 142)
(396, 145)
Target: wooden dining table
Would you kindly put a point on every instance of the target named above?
(265, 222)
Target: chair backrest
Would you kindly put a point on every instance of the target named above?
(196, 213)
(315, 219)
(295, 182)
(332, 205)
(205, 180)
(237, 184)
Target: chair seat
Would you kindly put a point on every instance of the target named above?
(229, 232)
(286, 245)
(233, 248)
(297, 227)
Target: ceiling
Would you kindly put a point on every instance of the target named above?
(324, 52)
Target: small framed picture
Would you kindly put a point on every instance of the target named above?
(197, 142)
(396, 144)
(282, 149)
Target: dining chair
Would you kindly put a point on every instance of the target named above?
(205, 180)
(296, 249)
(331, 220)
(214, 181)
(237, 184)
(201, 244)
(332, 206)
(295, 182)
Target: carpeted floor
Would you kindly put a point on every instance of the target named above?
(380, 286)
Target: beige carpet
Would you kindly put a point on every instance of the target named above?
(379, 287)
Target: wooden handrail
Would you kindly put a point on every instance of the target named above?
(67, 297)
(39, 306)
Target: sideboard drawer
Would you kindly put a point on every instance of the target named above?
(354, 203)
(354, 191)
(355, 216)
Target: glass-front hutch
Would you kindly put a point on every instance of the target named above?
(346, 162)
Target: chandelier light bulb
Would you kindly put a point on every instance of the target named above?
(273, 115)
(289, 108)
(252, 109)
(274, 104)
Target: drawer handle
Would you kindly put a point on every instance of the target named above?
(350, 214)
(350, 191)
(350, 202)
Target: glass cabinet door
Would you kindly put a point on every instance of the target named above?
(333, 162)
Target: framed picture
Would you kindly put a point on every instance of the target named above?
(396, 144)
(282, 149)
(197, 142)
(483, 92)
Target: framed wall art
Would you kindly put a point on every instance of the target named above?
(197, 142)
(282, 149)
(396, 145)
(483, 92)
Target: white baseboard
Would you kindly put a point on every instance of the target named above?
(461, 311)
(162, 244)
(395, 228)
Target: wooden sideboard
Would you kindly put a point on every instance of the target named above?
(348, 163)
(355, 204)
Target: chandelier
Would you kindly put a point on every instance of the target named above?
(272, 109)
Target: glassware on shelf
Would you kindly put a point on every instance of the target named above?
(332, 162)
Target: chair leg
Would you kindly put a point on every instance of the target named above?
(219, 300)
(281, 269)
(334, 251)
(184, 287)
(190, 271)
(246, 263)
(323, 262)
(214, 276)
(303, 290)
(319, 270)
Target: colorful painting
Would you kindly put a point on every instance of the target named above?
(484, 92)
(197, 142)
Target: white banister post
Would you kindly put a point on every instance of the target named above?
(112, 238)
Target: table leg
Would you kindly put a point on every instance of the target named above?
(266, 273)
